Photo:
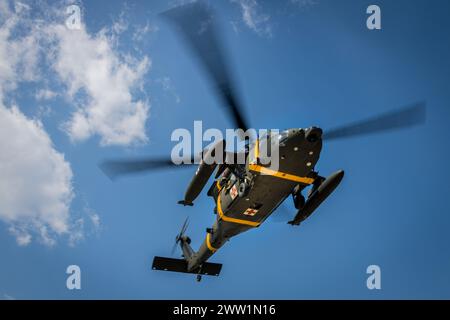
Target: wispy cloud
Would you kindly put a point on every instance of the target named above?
(167, 86)
(87, 224)
(45, 94)
(304, 3)
(254, 18)
(141, 31)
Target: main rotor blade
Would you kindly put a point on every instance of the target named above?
(402, 118)
(196, 24)
(115, 168)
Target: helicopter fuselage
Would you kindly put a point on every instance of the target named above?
(240, 210)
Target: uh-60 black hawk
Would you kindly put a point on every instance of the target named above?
(246, 194)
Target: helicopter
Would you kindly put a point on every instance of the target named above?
(246, 193)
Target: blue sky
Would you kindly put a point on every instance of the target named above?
(297, 63)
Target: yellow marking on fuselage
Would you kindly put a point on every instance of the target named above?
(208, 243)
(279, 174)
(234, 220)
(256, 150)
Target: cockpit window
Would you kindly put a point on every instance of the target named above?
(283, 136)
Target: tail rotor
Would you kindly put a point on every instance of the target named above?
(180, 235)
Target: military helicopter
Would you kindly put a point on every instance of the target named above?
(246, 194)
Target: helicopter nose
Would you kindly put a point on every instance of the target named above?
(313, 134)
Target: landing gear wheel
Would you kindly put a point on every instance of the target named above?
(244, 188)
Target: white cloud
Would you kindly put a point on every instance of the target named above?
(23, 237)
(18, 59)
(253, 17)
(35, 180)
(45, 94)
(88, 63)
(36, 190)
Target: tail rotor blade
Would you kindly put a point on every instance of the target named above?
(174, 248)
(402, 118)
(184, 227)
(180, 234)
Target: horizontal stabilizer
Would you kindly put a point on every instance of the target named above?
(180, 265)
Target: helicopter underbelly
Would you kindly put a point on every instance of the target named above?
(269, 188)
(262, 199)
